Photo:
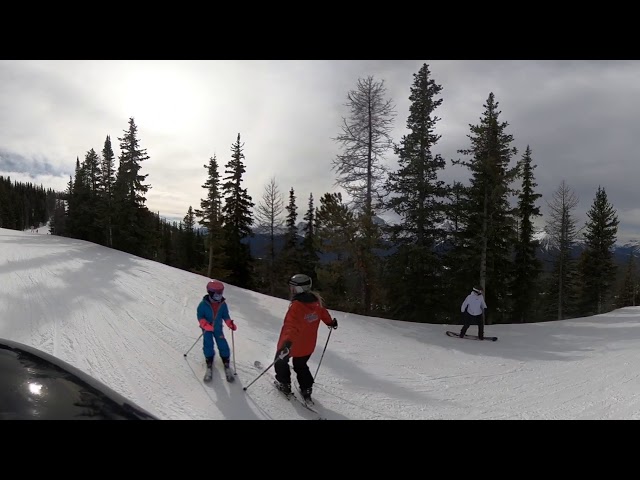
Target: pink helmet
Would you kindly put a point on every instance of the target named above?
(215, 286)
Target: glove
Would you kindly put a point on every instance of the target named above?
(231, 325)
(284, 351)
(206, 325)
(334, 325)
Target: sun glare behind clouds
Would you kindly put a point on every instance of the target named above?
(162, 99)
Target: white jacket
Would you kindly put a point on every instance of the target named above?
(475, 303)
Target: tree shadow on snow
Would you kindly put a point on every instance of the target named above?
(92, 273)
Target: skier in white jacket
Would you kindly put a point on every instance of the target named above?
(472, 310)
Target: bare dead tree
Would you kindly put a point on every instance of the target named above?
(563, 234)
(365, 138)
(269, 220)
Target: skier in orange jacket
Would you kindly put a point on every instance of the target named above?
(299, 335)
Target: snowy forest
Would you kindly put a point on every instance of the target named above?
(450, 237)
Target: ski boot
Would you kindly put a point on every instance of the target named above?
(285, 388)
(208, 374)
(306, 395)
(228, 373)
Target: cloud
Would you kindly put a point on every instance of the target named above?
(579, 117)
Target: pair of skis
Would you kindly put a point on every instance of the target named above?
(308, 404)
(208, 374)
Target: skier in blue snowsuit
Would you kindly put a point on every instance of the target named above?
(212, 311)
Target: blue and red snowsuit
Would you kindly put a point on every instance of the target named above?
(210, 316)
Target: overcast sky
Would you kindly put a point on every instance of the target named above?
(581, 119)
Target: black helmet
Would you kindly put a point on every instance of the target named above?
(300, 282)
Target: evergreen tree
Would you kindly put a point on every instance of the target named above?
(289, 260)
(210, 215)
(336, 231)
(455, 255)
(67, 211)
(627, 295)
(24, 205)
(188, 240)
(93, 171)
(488, 231)
(598, 268)
(80, 215)
(291, 234)
(418, 198)
(131, 230)
(108, 180)
(238, 219)
(310, 259)
(527, 266)
(57, 226)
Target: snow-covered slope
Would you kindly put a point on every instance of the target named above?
(128, 322)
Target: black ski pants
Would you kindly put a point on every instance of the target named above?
(283, 372)
(468, 320)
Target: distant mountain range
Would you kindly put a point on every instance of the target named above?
(620, 252)
(260, 241)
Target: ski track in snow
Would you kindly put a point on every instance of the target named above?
(128, 322)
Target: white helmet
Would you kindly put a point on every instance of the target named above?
(300, 282)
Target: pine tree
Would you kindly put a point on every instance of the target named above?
(57, 226)
(80, 215)
(598, 269)
(310, 259)
(289, 259)
(488, 231)
(210, 215)
(336, 231)
(25, 205)
(418, 198)
(627, 295)
(132, 233)
(238, 219)
(107, 183)
(291, 233)
(527, 266)
(188, 240)
(93, 170)
(93, 173)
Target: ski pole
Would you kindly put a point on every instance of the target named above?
(325, 348)
(233, 350)
(194, 344)
(263, 372)
(279, 357)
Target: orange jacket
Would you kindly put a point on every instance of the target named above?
(301, 324)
